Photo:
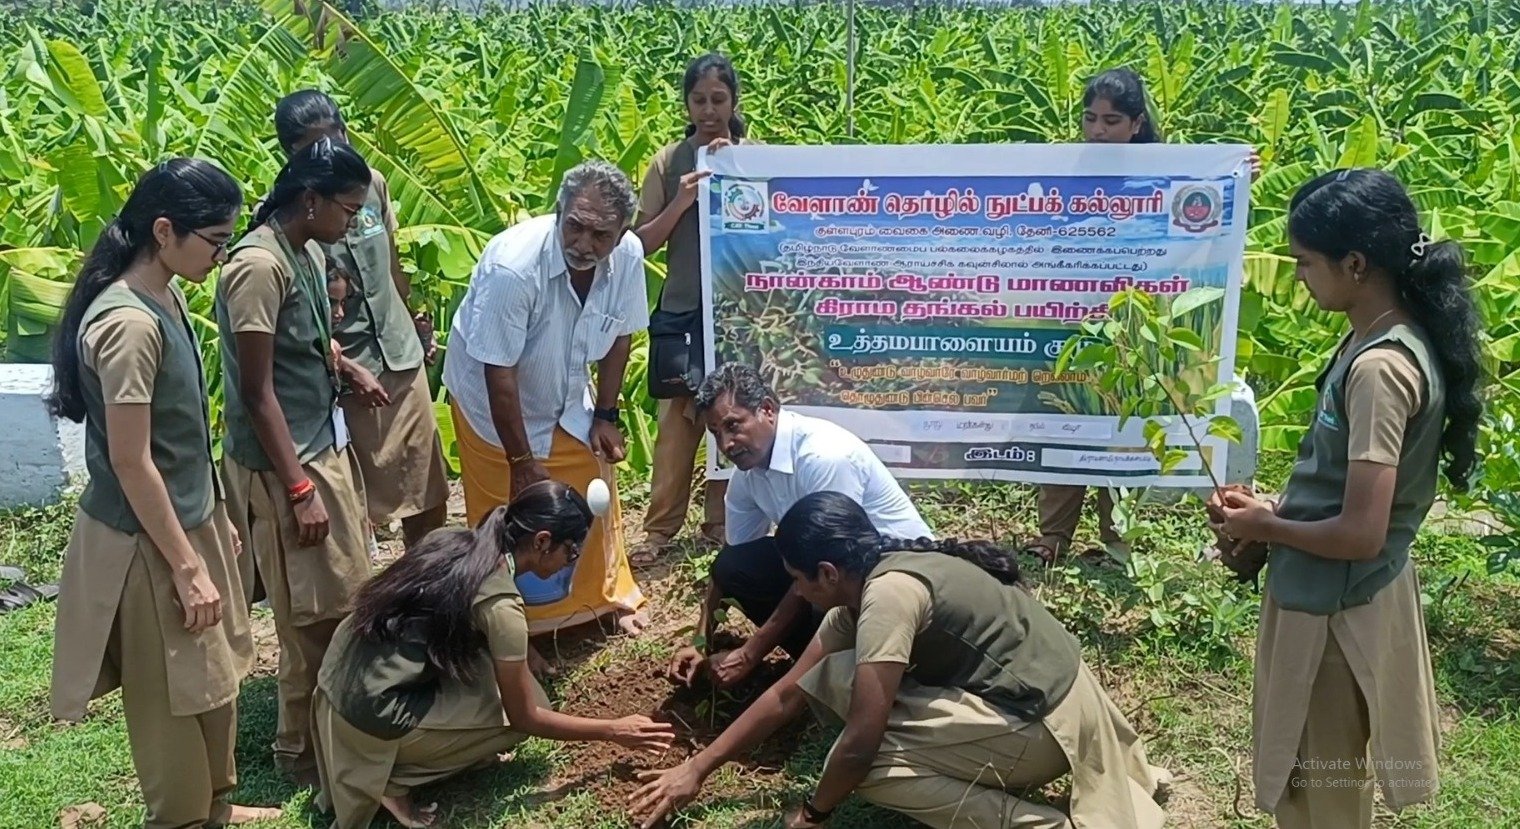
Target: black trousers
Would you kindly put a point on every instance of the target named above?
(752, 575)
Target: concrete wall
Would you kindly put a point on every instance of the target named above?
(39, 455)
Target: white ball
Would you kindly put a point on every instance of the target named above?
(598, 496)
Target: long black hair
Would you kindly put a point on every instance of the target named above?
(1125, 92)
(301, 110)
(831, 527)
(326, 168)
(1370, 212)
(698, 69)
(434, 584)
(192, 194)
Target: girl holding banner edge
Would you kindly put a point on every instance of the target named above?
(668, 216)
(1115, 110)
(1343, 669)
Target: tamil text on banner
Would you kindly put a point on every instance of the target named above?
(921, 295)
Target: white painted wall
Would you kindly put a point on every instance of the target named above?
(39, 454)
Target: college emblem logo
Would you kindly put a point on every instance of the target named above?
(367, 222)
(1196, 208)
(746, 206)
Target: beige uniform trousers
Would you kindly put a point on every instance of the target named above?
(1060, 509)
(675, 448)
(310, 589)
(184, 764)
(357, 769)
(948, 759)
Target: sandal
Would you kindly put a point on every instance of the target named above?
(1042, 551)
(9, 573)
(21, 595)
(647, 554)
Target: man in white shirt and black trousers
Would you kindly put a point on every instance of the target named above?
(781, 456)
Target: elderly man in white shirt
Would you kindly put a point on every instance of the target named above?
(781, 456)
(550, 296)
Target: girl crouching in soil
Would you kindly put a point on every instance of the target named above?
(958, 690)
(429, 676)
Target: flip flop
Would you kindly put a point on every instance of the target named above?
(9, 573)
(1042, 551)
(21, 595)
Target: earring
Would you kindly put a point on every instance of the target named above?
(311, 213)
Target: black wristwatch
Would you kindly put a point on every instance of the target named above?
(813, 814)
(609, 415)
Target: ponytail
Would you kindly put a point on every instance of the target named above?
(1369, 211)
(1436, 292)
(192, 194)
(326, 168)
(998, 561)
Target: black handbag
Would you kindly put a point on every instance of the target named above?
(675, 354)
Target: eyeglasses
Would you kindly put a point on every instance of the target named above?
(351, 211)
(217, 248)
(572, 552)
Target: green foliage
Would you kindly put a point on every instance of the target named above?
(473, 118)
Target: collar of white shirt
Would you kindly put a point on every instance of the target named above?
(784, 449)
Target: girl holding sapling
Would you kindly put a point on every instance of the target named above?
(1344, 693)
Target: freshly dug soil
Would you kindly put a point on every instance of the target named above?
(610, 771)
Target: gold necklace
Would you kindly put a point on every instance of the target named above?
(1361, 337)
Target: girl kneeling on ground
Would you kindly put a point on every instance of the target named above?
(429, 676)
(957, 689)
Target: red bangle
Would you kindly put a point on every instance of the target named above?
(301, 490)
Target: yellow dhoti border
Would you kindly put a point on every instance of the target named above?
(601, 581)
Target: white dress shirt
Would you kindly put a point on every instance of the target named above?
(520, 310)
(814, 455)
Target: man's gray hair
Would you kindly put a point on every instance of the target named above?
(743, 382)
(607, 180)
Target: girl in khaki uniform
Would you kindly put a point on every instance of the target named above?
(389, 407)
(293, 481)
(429, 675)
(151, 599)
(1344, 691)
(957, 689)
(668, 215)
(1115, 110)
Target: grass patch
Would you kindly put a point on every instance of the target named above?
(1172, 642)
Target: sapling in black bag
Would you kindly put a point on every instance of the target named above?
(675, 354)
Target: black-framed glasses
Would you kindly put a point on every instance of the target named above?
(217, 248)
(572, 551)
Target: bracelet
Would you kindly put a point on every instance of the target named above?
(299, 492)
(812, 814)
(523, 458)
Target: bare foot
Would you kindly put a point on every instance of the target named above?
(633, 624)
(250, 814)
(407, 815)
(537, 664)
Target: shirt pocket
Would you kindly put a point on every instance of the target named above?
(601, 331)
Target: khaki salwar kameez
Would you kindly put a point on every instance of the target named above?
(120, 624)
(1344, 696)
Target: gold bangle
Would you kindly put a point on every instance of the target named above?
(523, 458)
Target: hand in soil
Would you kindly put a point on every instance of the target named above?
(251, 814)
(798, 820)
(538, 665)
(410, 816)
(640, 733)
(730, 668)
(685, 665)
(663, 793)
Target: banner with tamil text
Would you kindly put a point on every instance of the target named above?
(920, 295)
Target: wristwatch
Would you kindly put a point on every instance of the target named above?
(609, 415)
